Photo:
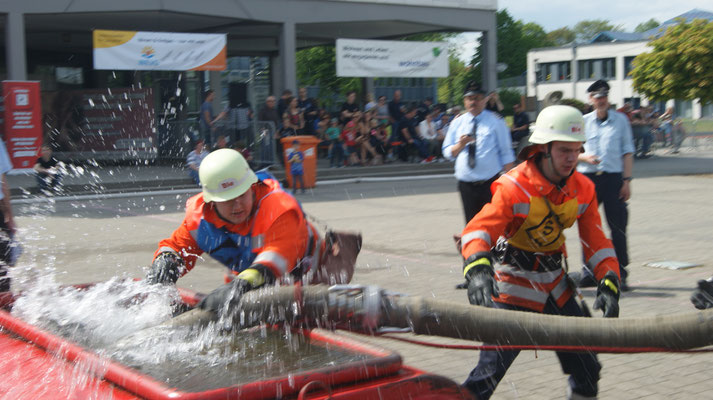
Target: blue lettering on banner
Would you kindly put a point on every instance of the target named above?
(419, 64)
(149, 63)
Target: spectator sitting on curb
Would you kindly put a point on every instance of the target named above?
(48, 171)
(194, 159)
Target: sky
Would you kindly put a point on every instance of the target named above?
(554, 14)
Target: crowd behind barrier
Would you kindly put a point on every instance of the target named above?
(380, 131)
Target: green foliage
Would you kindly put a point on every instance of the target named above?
(515, 39)
(648, 25)
(679, 65)
(509, 97)
(450, 88)
(579, 105)
(561, 36)
(317, 65)
(587, 29)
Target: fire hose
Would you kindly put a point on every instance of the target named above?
(369, 309)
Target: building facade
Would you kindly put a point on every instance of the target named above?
(572, 68)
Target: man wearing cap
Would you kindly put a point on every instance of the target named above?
(532, 205)
(481, 146)
(253, 227)
(608, 161)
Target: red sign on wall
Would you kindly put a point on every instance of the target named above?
(22, 122)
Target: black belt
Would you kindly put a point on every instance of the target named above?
(600, 173)
(478, 183)
(528, 260)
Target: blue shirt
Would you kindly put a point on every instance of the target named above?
(493, 146)
(196, 158)
(609, 140)
(206, 106)
(295, 159)
(5, 164)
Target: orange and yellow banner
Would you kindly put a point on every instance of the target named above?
(164, 51)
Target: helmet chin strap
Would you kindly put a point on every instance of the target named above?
(548, 157)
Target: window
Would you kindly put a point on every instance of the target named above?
(628, 66)
(603, 68)
(707, 110)
(684, 108)
(554, 72)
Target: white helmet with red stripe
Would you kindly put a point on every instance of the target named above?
(225, 175)
(556, 124)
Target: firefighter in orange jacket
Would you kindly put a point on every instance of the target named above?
(250, 225)
(532, 205)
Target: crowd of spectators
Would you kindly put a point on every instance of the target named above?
(381, 131)
(649, 126)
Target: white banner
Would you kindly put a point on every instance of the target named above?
(131, 50)
(390, 58)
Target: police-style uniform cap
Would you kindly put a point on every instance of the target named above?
(472, 88)
(598, 89)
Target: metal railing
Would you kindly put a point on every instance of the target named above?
(176, 139)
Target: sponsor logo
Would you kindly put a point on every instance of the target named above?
(576, 129)
(147, 57)
(148, 52)
(227, 184)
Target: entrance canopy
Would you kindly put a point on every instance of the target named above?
(58, 29)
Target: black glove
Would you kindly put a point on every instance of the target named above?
(224, 296)
(166, 268)
(229, 294)
(702, 297)
(608, 296)
(478, 271)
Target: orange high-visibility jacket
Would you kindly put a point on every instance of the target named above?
(276, 235)
(522, 212)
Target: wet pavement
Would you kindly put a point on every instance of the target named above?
(407, 225)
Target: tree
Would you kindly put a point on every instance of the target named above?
(678, 67)
(317, 66)
(515, 39)
(561, 36)
(647, 26)
(587, 29)
(451, 87)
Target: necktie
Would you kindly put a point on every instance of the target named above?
(472, 146)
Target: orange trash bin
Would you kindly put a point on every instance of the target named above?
(308, 147)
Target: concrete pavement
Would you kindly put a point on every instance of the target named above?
(407, 228)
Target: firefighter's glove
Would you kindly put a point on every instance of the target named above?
(226, 297)
(478, 271)
(165, 269)
(608, 296)
(702, 297)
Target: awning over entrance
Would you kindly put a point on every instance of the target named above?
(276, 28)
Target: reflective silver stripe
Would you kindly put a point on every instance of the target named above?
(258, 241)
(581, 209)
(600, 255)
(166, 248)
(469, 237)
(518, 184)
(559, 289)
(543, 277)
(273, 258)
(521, 208)
(523, 292)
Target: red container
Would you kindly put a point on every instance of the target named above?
(35, 364)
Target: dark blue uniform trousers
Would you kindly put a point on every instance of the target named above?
(582, 368)
(607, 186)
